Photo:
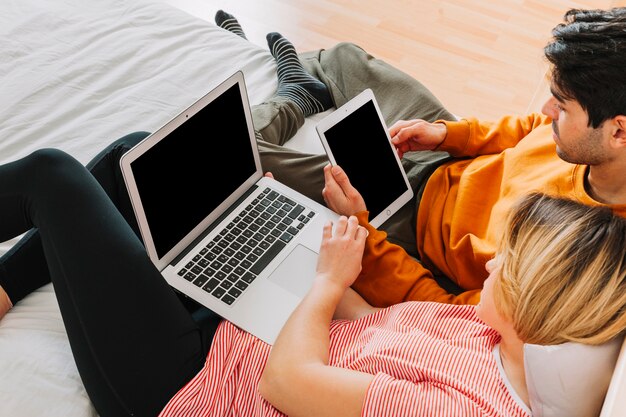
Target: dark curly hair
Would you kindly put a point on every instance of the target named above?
(588, 57)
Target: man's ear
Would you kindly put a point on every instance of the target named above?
(619, 131)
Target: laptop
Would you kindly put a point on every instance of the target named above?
(241, 244)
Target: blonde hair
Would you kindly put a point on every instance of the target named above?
(563, 272)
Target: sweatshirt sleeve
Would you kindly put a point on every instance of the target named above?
(469, 137)
(389, 275)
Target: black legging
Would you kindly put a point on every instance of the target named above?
(134, 342)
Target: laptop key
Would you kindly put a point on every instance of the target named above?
(271, 253)
(241, 285)
(201, 280)
(286, 237)
(234, 292)
(211, 285)
(248, 277)
(218, 292)
(228, 299)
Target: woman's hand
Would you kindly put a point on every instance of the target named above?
(416, 135)
(340, 196)
(341, 252)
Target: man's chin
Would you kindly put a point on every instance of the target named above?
(567, 158)
(563, 155)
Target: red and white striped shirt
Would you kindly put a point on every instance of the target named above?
(429, 359)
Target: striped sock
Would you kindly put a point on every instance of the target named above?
(227, 21)
(307, 92)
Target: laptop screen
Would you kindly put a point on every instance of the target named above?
(186, 175)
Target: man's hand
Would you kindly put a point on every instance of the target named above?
(340, 196)
(416, 135)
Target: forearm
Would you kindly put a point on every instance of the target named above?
(470, 137)
(297, 379)
(304, 337)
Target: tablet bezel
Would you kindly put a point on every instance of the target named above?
(339, 115)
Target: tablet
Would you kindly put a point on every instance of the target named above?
(356, 138)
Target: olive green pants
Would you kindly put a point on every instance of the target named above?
(347, 70)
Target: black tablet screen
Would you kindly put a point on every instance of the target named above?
(360, 145)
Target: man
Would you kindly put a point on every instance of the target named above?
(468, 173)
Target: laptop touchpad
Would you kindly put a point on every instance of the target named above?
(297, 271)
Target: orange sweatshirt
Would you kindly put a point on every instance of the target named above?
(462, 211)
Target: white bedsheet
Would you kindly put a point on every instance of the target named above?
(75, 75)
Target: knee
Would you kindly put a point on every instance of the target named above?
(49, 158)
(350, 49)
(49, 164)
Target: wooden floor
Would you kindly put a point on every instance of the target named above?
(481, 58)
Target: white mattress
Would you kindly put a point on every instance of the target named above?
(75, 75)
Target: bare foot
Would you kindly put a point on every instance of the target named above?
(5, 303)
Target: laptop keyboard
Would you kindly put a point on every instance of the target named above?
(231, 261)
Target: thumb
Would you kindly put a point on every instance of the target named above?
(341, 177)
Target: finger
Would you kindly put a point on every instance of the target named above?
(352, 227)
(361, 234)
(361, 237)
(341, 178)
(351, 193)
(327, 231)
(331, 188)
(341, 226)
(405, 133)
(329, 179)
(393, 130)
(269, 175)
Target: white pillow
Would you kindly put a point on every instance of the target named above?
(570, 379)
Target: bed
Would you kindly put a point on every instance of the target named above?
(75, 75)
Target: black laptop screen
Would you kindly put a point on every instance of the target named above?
(185, 176)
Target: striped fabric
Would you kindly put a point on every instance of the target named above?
(429, 359)
(294, 82)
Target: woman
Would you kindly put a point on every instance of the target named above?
(559, 276)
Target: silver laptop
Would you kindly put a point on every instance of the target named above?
(239, 243)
